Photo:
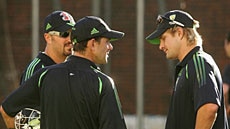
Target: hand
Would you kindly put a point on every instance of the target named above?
(9, 121)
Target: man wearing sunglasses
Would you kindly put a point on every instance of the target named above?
(197, 100)
(75, 94)
(57, 28)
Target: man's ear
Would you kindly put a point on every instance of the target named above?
(91, 44)
(47, 37)
(180, 32)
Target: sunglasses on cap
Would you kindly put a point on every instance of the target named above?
(161, 19)
(60, 34)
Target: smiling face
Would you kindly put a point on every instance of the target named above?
(61, 46)
(101, 50)
(58, 46)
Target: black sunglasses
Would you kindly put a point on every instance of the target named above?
(61, 34)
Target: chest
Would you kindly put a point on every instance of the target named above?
(183, 85)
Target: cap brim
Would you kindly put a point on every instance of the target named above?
(154, 38)
(64, 27)
(114, 35)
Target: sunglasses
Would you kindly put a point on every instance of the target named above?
(160, 20)
(60, 34)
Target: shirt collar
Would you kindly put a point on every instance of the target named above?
(182, 64)
(81, 60)
(189, 56)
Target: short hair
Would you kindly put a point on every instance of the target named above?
(80, 47)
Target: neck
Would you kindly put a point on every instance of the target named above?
(83, 55)
(56, 58)
(185, 50)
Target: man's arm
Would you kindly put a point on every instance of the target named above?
(9, 121)
(206, 116)
(226, 99)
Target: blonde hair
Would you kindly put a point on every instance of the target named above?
(192, 36)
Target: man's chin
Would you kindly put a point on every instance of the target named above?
(68, 53)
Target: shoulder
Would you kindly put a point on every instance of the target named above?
(202, 60)
(38, 62)
(202, 64)
(56, 68)
(34, 64)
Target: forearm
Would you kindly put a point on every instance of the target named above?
(226, 90)
(206, 116)
(226, 98)
(9, 121)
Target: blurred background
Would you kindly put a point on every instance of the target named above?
(143, 76)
